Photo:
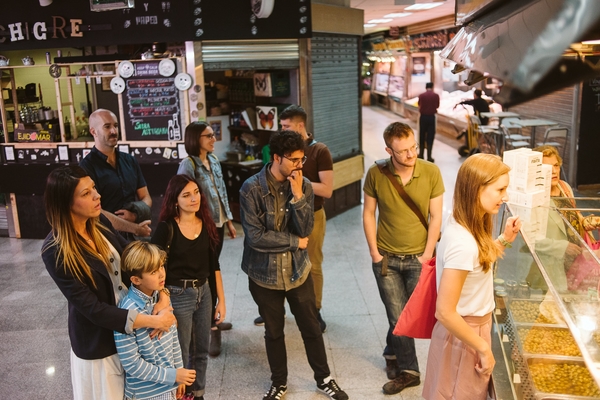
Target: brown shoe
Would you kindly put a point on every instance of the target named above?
(215, 343)
(403, 381)
(391, 368)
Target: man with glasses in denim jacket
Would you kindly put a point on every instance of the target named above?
(277, 216)
(318, 168)
(398, 241)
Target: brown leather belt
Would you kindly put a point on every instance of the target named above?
(386, 255)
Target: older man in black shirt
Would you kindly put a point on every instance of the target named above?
(125, 199)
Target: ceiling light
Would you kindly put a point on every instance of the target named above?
(591, 42)
(397, 15)
(423, 6)
(369, 25)
(380, 21)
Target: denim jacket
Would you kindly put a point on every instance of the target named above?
(202, 176)
(261, 242)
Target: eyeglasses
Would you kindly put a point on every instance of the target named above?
(296, 161)
(414, 149)
(210, 136)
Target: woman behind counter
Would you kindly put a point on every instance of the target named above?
(560, 188)
(82, 255)
(204, 167)
(460, 360)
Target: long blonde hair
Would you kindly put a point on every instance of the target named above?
(477, 172)
(71, 247)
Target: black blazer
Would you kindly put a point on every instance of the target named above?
(93, 314)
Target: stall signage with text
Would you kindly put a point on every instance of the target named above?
(36, 24)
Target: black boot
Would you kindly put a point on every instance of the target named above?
(215, 343)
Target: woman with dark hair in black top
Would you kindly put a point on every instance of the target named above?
(188, 234)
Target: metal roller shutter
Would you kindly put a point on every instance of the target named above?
(335, 93)
(246, 54)
(557, 106)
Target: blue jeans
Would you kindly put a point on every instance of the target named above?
(395, 289)
(192, 308)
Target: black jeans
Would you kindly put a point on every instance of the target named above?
(426, 133)
(303, 305)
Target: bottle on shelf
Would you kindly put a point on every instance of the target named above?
(67, 125)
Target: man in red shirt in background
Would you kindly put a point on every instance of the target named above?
(429, 101)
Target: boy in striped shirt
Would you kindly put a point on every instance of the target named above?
(153, 365)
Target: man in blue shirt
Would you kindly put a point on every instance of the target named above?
(125, 200)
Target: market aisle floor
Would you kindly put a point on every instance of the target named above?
(34, 344)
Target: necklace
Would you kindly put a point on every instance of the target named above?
(195, 226)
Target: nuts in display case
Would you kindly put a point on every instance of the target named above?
(548, 340)
(562, 377)
(528, 311)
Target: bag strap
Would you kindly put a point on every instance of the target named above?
(383, 168)
(169, 236)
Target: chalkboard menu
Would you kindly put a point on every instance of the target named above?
(151, 104)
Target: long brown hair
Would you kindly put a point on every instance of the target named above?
(477, 172)
(71, 247)
(170, 210)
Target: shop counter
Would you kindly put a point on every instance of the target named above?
(547, 318)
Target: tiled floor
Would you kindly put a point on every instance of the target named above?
(34, 344)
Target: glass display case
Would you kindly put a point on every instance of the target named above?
(547, 305)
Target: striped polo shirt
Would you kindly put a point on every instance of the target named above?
(150, 364)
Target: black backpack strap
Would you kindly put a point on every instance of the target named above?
(169, 236)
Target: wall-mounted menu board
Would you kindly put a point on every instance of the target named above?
(151, 104)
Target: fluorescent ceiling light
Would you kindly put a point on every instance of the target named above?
(369, 25)
(397, 15)
(591, 42)
(380, 21)
(423, 6)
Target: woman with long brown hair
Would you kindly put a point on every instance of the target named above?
(460, 360)
(82, 255)
(188, 234)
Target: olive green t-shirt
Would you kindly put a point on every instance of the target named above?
(399, 230)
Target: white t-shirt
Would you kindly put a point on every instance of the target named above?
(458, 250)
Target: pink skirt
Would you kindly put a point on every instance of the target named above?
(451, 373)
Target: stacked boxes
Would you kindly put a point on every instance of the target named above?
(529, 190)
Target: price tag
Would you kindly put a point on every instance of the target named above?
(516, 378)
(98, 80)
(77, 80)
(88, 79)
(505, 338)
(498, 312)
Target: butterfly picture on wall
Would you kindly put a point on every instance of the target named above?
(266, 118)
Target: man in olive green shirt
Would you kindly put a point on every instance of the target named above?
(398, 241)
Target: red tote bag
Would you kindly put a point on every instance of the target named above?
(418, 317)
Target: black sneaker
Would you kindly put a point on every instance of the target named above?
(332, 390)
(275, 393)
(321, 322)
